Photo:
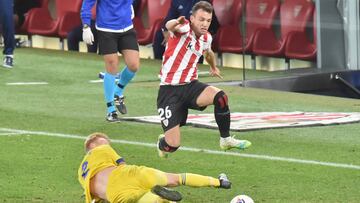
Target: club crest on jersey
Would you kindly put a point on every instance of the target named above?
(191, 47)
(165, 122)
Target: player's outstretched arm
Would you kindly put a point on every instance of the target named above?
(210, 59)
(175, 24)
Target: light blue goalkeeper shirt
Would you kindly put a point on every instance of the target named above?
(111, 15)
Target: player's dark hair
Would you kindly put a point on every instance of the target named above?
(203, 5)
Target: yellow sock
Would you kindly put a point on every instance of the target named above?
(196, 180)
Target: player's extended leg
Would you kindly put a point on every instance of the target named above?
(161, 194)
(132, 62)
(213, 95)
(196, 180)
(111, 63)
(155, 181)
(158, 180)
(169, 142)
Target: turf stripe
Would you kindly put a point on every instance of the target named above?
(152, 145)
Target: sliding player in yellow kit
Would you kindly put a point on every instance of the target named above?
(104, 175)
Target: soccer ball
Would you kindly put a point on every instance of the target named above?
(242, 199)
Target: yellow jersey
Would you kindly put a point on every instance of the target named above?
(94, 161)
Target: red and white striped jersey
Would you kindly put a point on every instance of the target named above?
(183, 50)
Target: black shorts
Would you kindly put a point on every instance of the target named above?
(173, 103)
(113, 42)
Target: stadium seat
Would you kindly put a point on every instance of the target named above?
(67, 17)
(299, 46)
(227, 12)
(259, 14)
(71, 16)
(151, 15)
(228, 37)
(24, 27)
(294, 16)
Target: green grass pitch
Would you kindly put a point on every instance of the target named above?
(36, 167)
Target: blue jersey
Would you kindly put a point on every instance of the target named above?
(111, 15)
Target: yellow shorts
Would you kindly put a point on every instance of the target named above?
(129, 183)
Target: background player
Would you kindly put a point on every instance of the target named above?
(115, 34)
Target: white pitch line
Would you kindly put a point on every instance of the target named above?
(96, 81)
(27, 83)
(5, 134)
(207, 151)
